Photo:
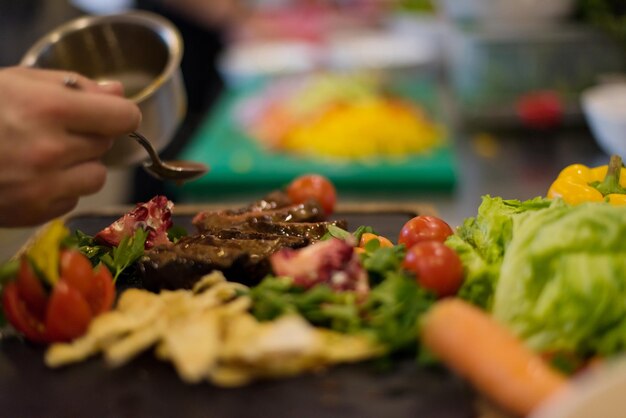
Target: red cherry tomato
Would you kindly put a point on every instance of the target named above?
(102, 294)
(436, 267)
(313, 186)
(424, 228)
(31, 290)
(77, 271)
(19, 316)
(68, 314)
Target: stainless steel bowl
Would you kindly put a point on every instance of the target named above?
(140, 49)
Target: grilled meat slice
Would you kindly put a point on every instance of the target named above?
(213, 221)
(312, 231)
(184, 263)
(275, 200)
(237, 242)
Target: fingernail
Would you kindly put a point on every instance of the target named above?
(111, 86)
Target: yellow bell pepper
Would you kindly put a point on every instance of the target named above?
(578, 183)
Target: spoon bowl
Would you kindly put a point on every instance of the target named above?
(178, 171)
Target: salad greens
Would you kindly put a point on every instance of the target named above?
(117, 259)
(389, 313)
(553, 273)
(562, 286)
(481, 242)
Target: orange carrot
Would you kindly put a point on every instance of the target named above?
(368, 236)
(483, 351)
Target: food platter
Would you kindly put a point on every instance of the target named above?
(147, 387)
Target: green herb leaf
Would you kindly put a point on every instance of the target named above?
(383, 259)
(87, 245)
(336, 232)
(362, 230)
(126, 253)
(176, 232)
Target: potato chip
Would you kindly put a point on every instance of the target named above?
(208, 333)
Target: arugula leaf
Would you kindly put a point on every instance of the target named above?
(390, 313)
(320, 305)
(126, 253)
(383, 259)
(87, 245)
(176, 232)
(362, 230)
(394, 308)
(336, 232)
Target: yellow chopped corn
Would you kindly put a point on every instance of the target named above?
(373, 128)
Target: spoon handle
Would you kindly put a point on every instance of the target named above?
(143, 141)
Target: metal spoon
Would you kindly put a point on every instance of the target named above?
(178, 171)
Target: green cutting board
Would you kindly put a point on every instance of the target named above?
(239, 166)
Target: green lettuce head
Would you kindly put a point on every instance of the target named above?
(562, 282)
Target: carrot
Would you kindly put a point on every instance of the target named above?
(487, 354)
(368, 236)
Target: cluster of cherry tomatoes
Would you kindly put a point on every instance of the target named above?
(436, 266)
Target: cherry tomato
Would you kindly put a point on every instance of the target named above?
(313, 186)
(68, 314)
(436, 267)
(19, 316)
(424, 228)
(102, 294)
(77, 271)
(31, 290)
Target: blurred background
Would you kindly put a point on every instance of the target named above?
(439, 101)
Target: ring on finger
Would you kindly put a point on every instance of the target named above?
(71, 80)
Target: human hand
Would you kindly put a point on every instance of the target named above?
(52, 139)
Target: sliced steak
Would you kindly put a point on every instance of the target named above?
(312, 231)
(237, 242)
(212, 221)
(184, 263)
(275, 200)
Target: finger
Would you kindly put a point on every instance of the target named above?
(73, 182)
(82, 179)
(88, 148)
(97, 114)
(59, 207)
(63, 78)
(61, 150)
(52, 195)
(37, 213)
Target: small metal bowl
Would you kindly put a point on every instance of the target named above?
(142, 50)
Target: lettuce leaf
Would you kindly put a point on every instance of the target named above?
(562, 284)
(482, 241)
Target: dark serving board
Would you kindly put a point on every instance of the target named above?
(147, 387)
